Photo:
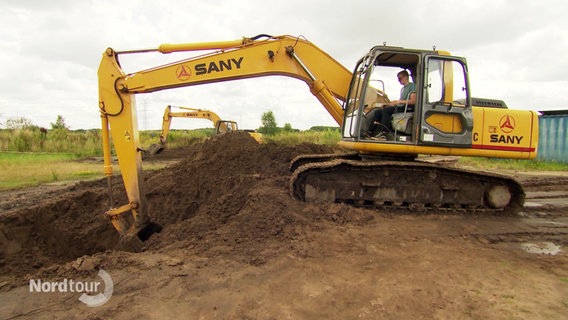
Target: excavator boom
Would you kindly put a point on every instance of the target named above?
(259, 56)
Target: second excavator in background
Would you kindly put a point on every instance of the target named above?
(444, 120)
(221, 126)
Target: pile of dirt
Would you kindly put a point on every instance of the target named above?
(229, 194)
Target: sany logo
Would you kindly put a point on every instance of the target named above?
(183, 72)
(79, 286)
(507, 124)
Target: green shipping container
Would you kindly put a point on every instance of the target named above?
(553, 136)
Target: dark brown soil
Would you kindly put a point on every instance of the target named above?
(235, 245)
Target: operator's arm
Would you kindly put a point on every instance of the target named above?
(410, 101)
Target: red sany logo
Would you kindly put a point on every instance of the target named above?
(507, 124)
(183, 72)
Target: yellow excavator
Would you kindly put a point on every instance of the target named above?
(221, 126)
(445, 120)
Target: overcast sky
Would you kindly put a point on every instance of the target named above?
(50, 51)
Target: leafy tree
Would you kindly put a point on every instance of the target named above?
(288, 127)
(59, 123)
(268, 123)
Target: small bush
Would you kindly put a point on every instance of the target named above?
(21, 141)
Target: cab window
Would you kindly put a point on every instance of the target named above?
(446, 82)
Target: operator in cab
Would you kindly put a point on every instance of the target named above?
(381, 119)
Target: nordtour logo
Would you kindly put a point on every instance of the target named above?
(104, 289)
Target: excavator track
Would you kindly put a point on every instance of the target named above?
(411, 186)
(320, 157)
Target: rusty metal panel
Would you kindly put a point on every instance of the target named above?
(553, 138)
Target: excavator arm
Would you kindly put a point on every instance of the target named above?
(260, 56)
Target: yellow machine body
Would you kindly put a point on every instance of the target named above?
(441, 126)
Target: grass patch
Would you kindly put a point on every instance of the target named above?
(33, 157)
(326, 137)
(513, 164)
(31, 169)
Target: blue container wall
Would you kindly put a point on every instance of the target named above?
(553, 136)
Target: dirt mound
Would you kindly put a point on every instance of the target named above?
(219, 175)
(230, 196)
(227, 193)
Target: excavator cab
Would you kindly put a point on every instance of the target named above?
(223, 126)
(442, 115)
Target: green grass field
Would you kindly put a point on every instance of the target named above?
(31, 169)
(63, 161)
(513, 164)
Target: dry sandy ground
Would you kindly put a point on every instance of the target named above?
(235, 245)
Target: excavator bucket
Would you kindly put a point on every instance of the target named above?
(132, 235)
(155, 149)
(134, 242)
